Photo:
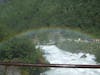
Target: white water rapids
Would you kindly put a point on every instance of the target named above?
(54, 55)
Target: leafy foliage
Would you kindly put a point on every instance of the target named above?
(21, 49)
(17, 16)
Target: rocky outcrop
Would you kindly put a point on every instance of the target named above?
(11, 70)
(2, 70)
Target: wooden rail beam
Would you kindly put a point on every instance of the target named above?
(50, 65)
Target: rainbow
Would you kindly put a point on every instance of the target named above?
(41, 29)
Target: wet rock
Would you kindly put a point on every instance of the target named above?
(83, 56)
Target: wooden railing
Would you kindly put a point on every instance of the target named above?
(50, 65)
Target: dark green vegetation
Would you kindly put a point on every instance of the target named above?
(76, 47)
(20, 15)
(17, 48)
(21, 50)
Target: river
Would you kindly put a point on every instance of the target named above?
(54, 55)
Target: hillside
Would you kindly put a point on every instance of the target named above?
(20, 15)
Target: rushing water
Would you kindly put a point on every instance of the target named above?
(54, 55)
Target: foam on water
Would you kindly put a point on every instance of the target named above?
(54, 55)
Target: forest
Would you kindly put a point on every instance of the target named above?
(18, 16)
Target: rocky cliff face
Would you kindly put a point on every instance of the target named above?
(2, 70)
(11, 70)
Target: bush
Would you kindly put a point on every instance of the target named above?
(22, 50)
